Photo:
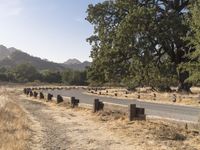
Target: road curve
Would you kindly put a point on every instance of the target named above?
(171, 111)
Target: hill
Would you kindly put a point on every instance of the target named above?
(10, 57)
(72, 61)
(19, 57)
(75, 64)
(5, 52)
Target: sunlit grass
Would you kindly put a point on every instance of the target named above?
(14, 127)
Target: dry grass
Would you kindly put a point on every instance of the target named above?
(147, 94)
(14, 126)
(147, 135)
(151, 134)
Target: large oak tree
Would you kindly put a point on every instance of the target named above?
(140, 40)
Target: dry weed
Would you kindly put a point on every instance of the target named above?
(14, 126)
(155, 134)
(110, 115)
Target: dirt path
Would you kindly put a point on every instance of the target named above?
(62, 128)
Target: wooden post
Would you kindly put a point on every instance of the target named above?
(49, 97)
(96, 105)
(41, 95)
(139, 111)
(25, 90)
(35, 94)
(140, 114)
(59, 99)
(31, 93)
(132, 112)
(101, 106)
(74, 102)
(28, 91)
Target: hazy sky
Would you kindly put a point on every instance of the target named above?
(52, 29)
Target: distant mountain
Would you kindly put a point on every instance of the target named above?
(75, 64)
(72, 61)
(5, 52)
(10, 57)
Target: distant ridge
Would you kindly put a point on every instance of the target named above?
(72, 61)
(75, 64)
(10, 57)
(5, 52)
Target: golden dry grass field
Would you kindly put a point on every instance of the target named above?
(28, 123)
(14, 124)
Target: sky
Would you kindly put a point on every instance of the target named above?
(51, 29)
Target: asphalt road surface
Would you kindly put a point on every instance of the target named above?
(171, 111)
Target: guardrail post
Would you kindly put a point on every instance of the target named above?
(59, 99)
(28, 91)
(132, 112)
(35, 94)
(25, 90)
(140, 113)
(97, 105)
(49, 97)
(74, 102)
(31, 93)
(41, 95)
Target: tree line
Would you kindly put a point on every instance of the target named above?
(145, 43)
(24, 73)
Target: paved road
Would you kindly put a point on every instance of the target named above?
(185, 113)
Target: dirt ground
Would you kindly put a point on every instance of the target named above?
(146, 94)
(60, 127)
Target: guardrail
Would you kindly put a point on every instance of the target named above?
(131, 111)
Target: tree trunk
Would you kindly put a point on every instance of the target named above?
(184, 86)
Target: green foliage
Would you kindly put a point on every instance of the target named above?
(3, 74)
(72, 77)
(139, 41)
(194, 66)
(3, 77)
(51, 77)
(25, 73)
